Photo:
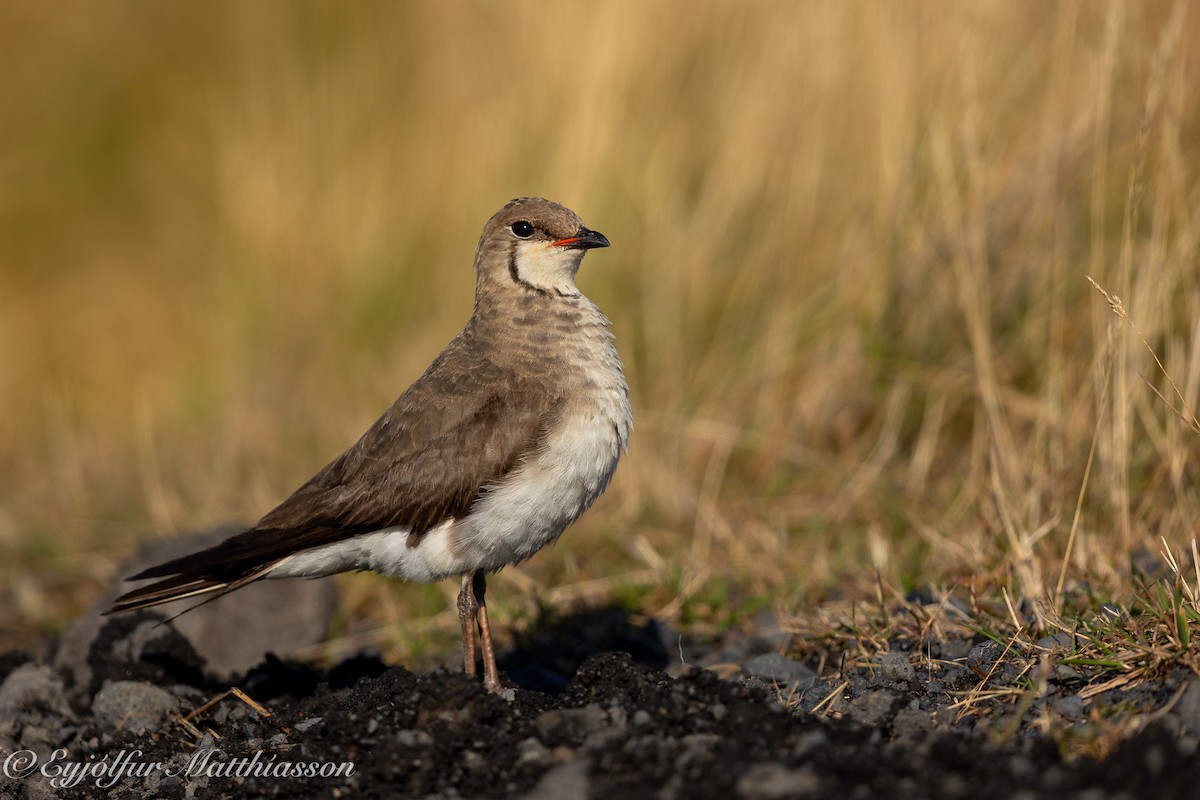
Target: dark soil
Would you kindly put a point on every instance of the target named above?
(574, 723)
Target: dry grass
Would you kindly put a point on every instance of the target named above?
(848, 279)
(1108, 650)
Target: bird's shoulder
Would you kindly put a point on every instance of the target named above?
(464, 424)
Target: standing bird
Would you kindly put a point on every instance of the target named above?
(511, 433)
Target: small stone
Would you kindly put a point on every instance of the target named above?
(909, 723)
(783, 676)
(1070, 706)
(695, 746)
(413, 738)
(33, 689)
(811, 742)
(572, 724)
(133, 706)
(873, 708)
(768, 633)
(777, 668)
(305, 724)
(252, 613)
(895, 667)
(531, 751)
(566, 780)
(617, 716)
(770, 781)
(983, 656)
(951, 675)
(37, 787)
(71, 656)
(1066, 674)
(953, 649)
(1188, 707)
(1063, 640)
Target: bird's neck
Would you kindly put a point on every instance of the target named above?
(537, 316)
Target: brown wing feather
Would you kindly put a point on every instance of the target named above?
(459, 429)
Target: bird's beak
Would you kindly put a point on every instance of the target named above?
(583, 240)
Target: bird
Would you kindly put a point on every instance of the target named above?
(511, 433)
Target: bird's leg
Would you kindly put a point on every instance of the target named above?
(468, 609)
(491, 675)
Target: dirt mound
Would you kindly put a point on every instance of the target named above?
(141, 726)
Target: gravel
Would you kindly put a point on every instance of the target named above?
(580, 720)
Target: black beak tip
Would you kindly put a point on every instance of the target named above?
(587, 239)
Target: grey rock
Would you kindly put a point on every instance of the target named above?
(1066, 674)
(71, 656)
(531, 751)
(1187, 710)
(776, 670)
(472, 761)
(254, 613)
(953, 649)
(413, 738)
(1070, 706)
(33, 688)
(909, 723)
(565, 782)
(830, 696)
(810, 742)
(982, 656)
(951, 675)
(696, 747)
(618, 716)
(305, 724)
(769, 635)
(759, 685)
(895, 667)
(1063, 640)
(37, 787)
(771, 781)
(33, 709)
(573, 724)
(133, 706)
(873, 708)
(147, 636)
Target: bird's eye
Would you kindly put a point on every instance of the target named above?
(522, 229)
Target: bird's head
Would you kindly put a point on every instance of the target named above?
(534, 245)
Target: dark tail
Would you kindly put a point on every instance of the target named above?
(187, 581)
(176, 587)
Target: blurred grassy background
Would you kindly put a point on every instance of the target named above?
(848, 277)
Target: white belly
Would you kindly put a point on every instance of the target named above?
(508, 523)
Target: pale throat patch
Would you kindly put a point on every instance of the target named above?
(544, 266)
